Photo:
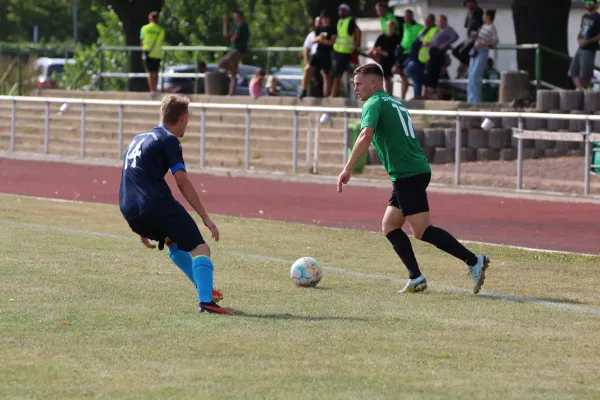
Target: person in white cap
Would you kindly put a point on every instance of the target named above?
(346, 42)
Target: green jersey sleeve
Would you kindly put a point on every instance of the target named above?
(370, 113)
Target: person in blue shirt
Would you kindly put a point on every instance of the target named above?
(152, 212)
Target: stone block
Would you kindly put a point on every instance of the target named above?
(443, 155)
(557, 124)
(547, 100)
(429, 153)
(420, 134)
(477, 139)
(544, 144)
(534, 124)
(435, 138)
(499, 138)
(508, 154)
(577, 125)
(451, 138)
(591, 101)
(552, 153)
(575, 153)
(468, 154)
(527, 143)
(529, 153)
(487, 154)
(571, 99)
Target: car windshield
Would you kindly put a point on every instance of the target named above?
(55, 70)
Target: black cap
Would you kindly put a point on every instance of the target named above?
(324, 14)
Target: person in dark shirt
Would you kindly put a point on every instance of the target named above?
(582, 65)
(473, 21)
(152, 212)
(239, 38)
(384, 52)
(321, 60)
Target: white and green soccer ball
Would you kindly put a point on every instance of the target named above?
(306, 272)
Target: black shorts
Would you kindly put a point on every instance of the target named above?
(410, 194)
(321, 62)
(170, 221)
(386, 66)
(341, 61)
(152, 64)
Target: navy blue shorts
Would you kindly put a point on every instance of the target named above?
(171, 221)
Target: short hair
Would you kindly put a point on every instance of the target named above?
(239, 12)
(369, 69)
(173, 107)
(260, 72)
(153, 16)
(432, 17)
(491, 13)
(442, 16)
(490, 63)
(408, 10)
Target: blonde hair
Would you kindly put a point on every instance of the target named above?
(173, 107)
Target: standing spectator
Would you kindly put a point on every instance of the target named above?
(410, 31)
(152, 37)
(383, 52)
(442, 40)
(320, 62)
(473, 22)
(385, 15)
(315, 81)
(486, 39)
(489, 90)
(419, 55)
(239, 38)
(582, 66)
(347, 41)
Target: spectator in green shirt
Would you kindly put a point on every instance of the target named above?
(239, 38)
(385, 16)
(490, 90)
(410, 32)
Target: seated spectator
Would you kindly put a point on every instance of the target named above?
(272, 86)
(419, 55)
(384, 51)
(442, 40)
(256, 83)
(490, 90)
(487, 38)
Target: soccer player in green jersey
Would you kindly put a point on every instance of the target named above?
(387, 123)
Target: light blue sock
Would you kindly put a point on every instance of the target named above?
(183, 260)
(203, 275)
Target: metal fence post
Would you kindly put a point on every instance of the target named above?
(202, 136)
(295, 144)
(538, 66)
(457, 150)
(586, 142)
(47, 128)
(82, 153)
(345, 138)
(247, 156)
(120, 134)
(520, 157)
(13, 125)
(309, 134)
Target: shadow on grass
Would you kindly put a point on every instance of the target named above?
(520, 299)
(238, 313)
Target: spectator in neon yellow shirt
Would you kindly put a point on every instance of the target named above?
(152, 37)
(410, 32)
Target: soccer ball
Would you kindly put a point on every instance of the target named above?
(305, 272)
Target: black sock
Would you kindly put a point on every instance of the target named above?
(404, 249)
(446, 242)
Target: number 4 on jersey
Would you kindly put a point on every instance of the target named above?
(408, 131)
(133, 153)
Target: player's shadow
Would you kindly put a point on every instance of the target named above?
(519, 299)
(294, 317)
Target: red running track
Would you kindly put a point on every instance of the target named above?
(519, 222)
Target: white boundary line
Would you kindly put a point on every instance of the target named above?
(341, 271)
(532, 249)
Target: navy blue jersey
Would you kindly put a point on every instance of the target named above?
(147, 159)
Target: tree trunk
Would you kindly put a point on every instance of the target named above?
(544, 22)
(134, 14)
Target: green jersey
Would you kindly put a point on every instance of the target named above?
(394, 138)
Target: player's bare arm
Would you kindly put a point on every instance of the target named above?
(362, 144)
(189, 192)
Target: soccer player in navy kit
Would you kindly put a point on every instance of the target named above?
(151, 210)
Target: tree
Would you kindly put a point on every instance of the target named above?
(550, 30)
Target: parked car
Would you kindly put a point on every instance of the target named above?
(48, 71)
(174, 84)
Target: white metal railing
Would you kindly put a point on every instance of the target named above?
(343, 111)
